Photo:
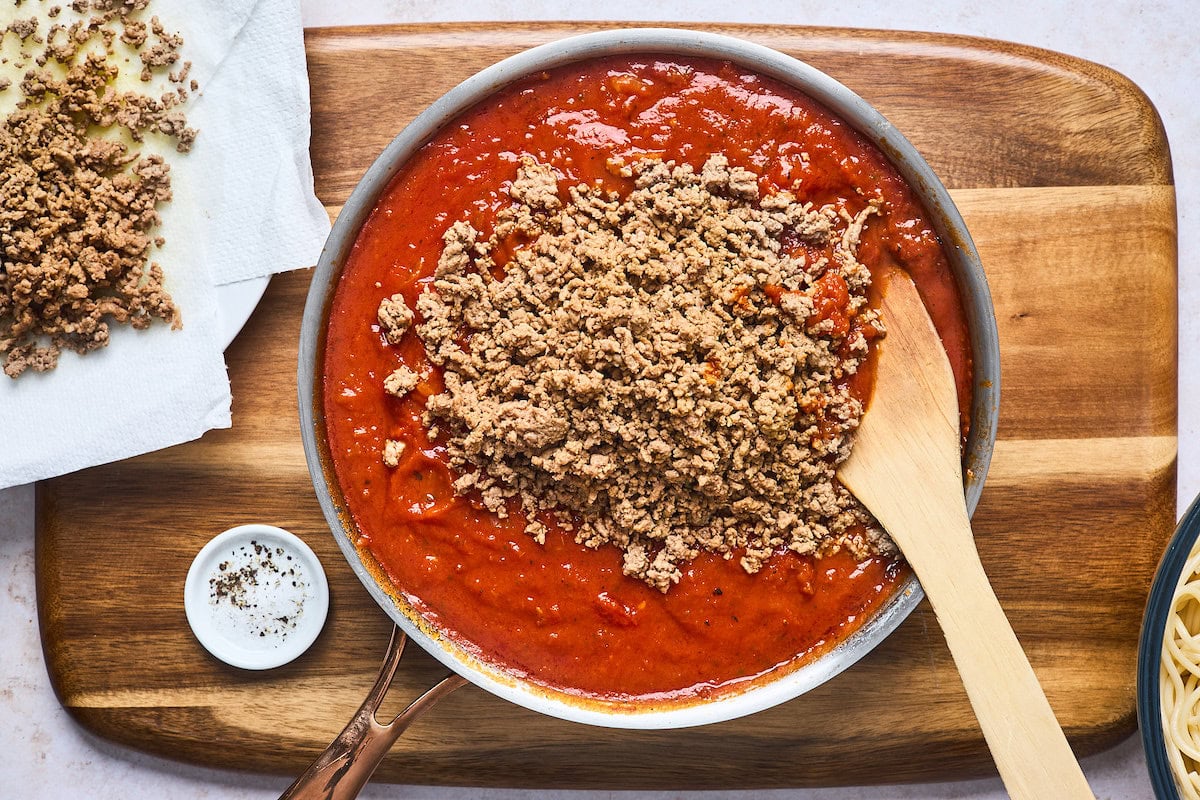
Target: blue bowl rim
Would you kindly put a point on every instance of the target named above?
(1150, 644)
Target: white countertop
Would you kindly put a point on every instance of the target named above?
(43, 754)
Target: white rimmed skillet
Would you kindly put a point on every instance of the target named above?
(843, 103)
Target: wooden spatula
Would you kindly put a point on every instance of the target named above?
(906, 469)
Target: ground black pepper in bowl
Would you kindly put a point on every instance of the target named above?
(257, 566)
(256, 596)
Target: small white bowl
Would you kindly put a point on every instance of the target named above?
(256, 596)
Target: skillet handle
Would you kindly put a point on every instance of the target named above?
(344, 768)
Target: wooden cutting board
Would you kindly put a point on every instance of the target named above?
(1062, 172)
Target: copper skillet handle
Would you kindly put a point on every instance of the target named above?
(347, 764)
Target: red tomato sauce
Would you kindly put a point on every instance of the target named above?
(560, 614)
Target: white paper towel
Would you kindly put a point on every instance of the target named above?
(243, 207)
(252, 153)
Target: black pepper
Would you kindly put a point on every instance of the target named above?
(249, 566)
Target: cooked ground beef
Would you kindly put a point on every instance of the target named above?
(401, 381)
(78, 206)
(395, 317)
(393, 451)
(655, 370)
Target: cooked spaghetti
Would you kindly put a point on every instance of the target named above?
(1179, 680)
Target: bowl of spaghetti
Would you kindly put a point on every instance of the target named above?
(1168, 691)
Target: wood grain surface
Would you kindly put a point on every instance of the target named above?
(1062, 173)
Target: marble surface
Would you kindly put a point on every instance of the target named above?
(44, 755)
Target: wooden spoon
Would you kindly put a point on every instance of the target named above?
(906, 468)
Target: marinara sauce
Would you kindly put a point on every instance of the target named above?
(560, 614)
